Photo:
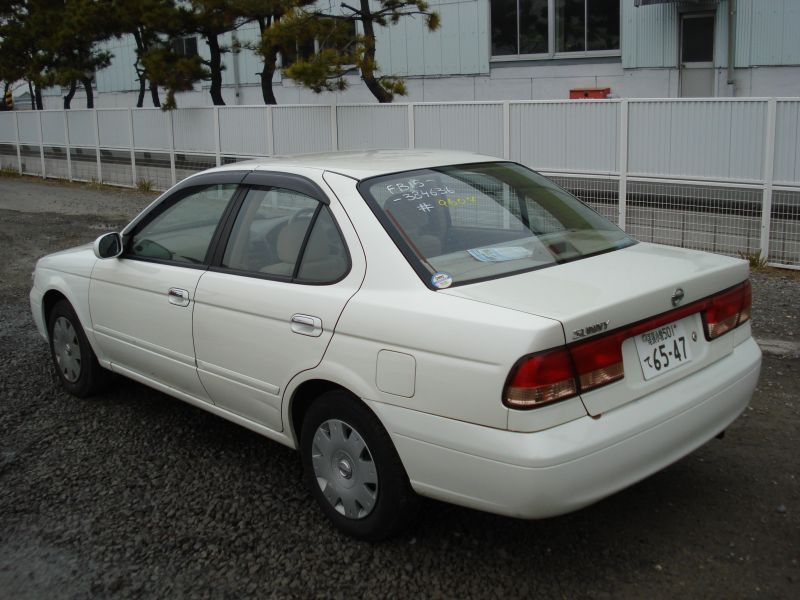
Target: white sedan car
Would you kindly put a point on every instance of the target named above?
(428, 322)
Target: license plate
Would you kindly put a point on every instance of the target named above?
(663, 349)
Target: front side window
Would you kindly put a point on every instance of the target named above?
(487, 220)
(182, 231)
(287, 235)
(521, 27)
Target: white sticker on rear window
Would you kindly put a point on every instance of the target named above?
(501, 254)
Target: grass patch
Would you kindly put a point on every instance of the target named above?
(144, 185)
(757, 262)
(9, 171)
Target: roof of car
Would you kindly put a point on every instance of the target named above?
(366, 163)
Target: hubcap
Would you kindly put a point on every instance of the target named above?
(66, 349)
(344, 469)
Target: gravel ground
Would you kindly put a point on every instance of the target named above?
(136, 495)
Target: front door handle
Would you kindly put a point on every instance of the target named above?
(178, 297)
(307, 325)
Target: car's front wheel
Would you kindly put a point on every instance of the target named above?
(352, 468)
(74, 360)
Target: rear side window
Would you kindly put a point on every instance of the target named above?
(325, 257)
(284, 234)
(465, 223)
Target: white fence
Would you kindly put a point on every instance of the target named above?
(715, 174)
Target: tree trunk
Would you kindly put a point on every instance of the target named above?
(137, 36)
(38, 93)
(216, 70)
(142, 89)
(68, 98)
(87, 85)
(367, 72)
(270, 65)
(154, 94)
(30, 93)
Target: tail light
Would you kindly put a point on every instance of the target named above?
(747, 303)
(562, 373)
(558, 374)
(541, 378)
(728, 310)
(599, 361)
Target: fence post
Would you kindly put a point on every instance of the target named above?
(769, 172)
(66, 146)
(97, 146)
(19, 144)
(506, 129)
(334, 129)
(171, 148)
(270, 133)
(133, 147)
(623, 164)
(411, 125)
(217, 144)
(41, 144)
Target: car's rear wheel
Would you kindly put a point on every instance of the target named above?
(73, 358)
(352, 468)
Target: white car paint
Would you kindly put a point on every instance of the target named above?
(431, 364)
(136, 325)
(543, 474)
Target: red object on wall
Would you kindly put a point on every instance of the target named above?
(578, 93)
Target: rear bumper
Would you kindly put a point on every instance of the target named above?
(558, 470)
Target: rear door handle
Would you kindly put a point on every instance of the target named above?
(178, 296)
(306, 325)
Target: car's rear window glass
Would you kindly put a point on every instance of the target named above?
(466, 223)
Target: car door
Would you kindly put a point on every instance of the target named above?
(267, 307)
(141, 303)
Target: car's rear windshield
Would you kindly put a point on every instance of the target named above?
(466, 223)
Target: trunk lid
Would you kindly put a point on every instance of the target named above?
(605, 292)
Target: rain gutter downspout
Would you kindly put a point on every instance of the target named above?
(731, 41)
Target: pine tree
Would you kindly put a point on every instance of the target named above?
(176, 72)
(267, 14)
(72, 44)
(341, 49)
(143, 20)
(23, 24)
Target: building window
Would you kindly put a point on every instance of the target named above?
(549, 27)
(186, 46)
(304, 49)
(339, 34)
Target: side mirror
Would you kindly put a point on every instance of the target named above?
(108, 245)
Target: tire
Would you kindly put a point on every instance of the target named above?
(74, 360)
(346, 451)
